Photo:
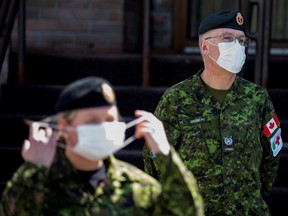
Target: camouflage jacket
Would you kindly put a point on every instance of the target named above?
(125, 190)
(227, 147)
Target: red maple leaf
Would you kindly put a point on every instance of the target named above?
(271, 125)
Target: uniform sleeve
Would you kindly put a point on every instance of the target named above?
(24, 193)
(165, 111)
(272, 145)
(180, 194)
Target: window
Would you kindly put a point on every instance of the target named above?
(174, 23)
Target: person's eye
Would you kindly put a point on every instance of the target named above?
(242, 40)
(228, 38)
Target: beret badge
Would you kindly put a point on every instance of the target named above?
(239, 19)
(108, 93)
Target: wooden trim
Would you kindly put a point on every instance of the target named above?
(179, 28)
(180, 22)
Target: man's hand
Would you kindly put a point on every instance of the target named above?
(40, 148)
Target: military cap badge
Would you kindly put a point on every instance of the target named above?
(108, 93)
(239, 19)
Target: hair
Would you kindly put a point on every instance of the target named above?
(68, 115)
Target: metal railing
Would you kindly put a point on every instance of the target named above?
(9, 10)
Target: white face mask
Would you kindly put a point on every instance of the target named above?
(232, 56)
(98, 141)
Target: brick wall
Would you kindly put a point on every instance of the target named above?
(73, 26)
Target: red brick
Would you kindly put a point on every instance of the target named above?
(56, 14)
(107, 4)
(41, 3)
(88, 26)
(73, 3)
(33, 25)
(87, 14)
(107, 28)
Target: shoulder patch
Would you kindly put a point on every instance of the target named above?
(276, 143)
(271, 126)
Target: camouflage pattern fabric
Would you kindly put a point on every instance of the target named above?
(223, 145)
(125, 190)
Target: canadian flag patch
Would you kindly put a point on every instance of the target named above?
(276, 143)
(271, 126)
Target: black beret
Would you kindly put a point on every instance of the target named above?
(87, 92)
(225, 19)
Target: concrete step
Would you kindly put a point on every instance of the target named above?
(40, 99)
(124, 69)
(121, 70)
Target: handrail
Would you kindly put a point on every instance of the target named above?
(21, 40)
(8, 13)
(3, 13)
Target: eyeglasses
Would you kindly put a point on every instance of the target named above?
(244, 41)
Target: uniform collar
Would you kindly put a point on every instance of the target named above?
(202, 95)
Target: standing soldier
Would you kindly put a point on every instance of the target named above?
(82, 177)
(224, 127)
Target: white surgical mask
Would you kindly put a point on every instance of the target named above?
(232, 56)
(98, 141)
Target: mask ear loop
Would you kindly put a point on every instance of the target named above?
(47, 125)
(129, 125)
(134, 122)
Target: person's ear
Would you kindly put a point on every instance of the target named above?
(62, 123)
(203, 47)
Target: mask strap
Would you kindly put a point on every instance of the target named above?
(63, 146)
(129, 140)
(129, 125)
(134, 122)
(211, 43)
(212, 58)
(48, 125)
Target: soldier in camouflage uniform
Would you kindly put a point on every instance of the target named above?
(75, 180)
(224, 127)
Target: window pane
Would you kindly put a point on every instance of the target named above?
(279, 20)
(198, 10)
(161, 23)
